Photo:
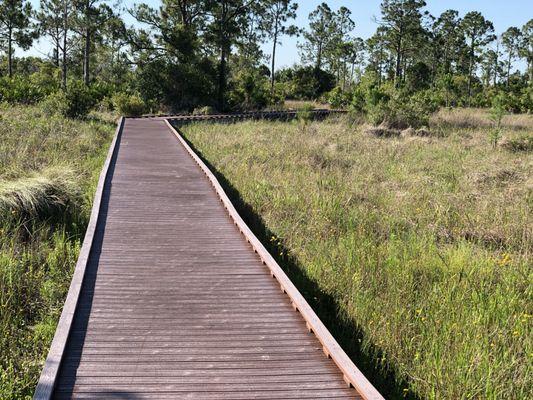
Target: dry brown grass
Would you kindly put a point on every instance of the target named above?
(299, 104)
(479, 118)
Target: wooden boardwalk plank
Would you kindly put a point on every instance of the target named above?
(174, 302)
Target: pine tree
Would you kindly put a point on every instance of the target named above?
(15, 28)
(478, 33)
(275, 15)
(526, 48)
(90, 17)
(226, 23)
(318, 37)
(448, 39)
(511, 40)
(54, 19)
(402, 23)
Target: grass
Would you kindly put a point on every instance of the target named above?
(49, 167)
(479, 118)
(422, 244)
(302, 104)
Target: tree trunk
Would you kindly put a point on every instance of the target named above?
(319, 56)
(380, 69)
(530, 69)
(56, 54)
(495, 77)
(398, 71)
(470, 67)
(508, 68)
(64, 55)
(222, 78)
(10, 52)
(86, 56)
(272, 68)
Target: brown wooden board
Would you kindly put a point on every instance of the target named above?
(174, 302)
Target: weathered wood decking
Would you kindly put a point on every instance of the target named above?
(175, 303)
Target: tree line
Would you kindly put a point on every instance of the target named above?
(189, 53)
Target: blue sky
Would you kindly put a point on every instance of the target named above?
(503, 13)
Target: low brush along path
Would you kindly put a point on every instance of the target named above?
(173, 297)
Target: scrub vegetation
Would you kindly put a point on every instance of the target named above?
(49, 166)
(424, 242)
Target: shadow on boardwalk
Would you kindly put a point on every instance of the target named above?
(346, 332)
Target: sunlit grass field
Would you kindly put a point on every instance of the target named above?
(424, 243)
(49, 167)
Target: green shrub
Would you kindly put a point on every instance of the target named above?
(496, 114)
(413, 111)
(129, 105)
(376, 105)
(396, 109)
(338, 98)
(305, 113)
(526, 99)
(358, 102)
(54, 104)
(79, 100)
(20, 90)
(106, 104)
(305, 83)
(251, 91)
(76, 102)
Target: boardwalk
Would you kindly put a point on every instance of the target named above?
(174, 302)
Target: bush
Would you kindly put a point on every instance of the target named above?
(305, 113)
(413, 111)
(396, 109)
(55, 104)
(305, 82)
(376, 106)
(251, 91)
(338, 98)
(106, 104)
(526, 99)
(76, 102)
(19, 89)
(129, 105)
(79, 100)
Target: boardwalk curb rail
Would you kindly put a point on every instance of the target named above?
(47, 380)
(352, 375)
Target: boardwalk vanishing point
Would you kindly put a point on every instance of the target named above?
(173, 297)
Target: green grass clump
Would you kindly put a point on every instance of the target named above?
(423, 243)
(49, 167)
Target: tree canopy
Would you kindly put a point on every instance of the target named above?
(191, 53)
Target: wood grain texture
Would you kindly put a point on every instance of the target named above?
(174, 303)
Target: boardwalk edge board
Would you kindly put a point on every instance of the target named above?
(253, 115)
(47, 380)
(352, 375)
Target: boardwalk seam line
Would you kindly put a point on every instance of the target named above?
(47, 380)
(351, 373)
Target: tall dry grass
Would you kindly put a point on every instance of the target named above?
(477, 118)
(424, 243)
